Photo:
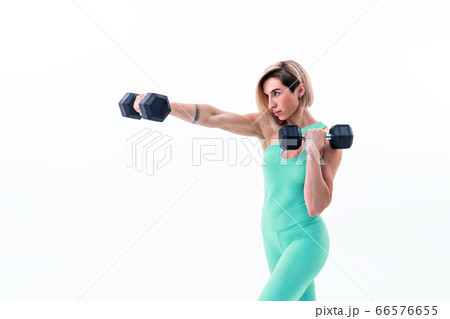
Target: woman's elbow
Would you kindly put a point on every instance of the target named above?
(314, 213)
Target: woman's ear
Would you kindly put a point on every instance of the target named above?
(301, 89)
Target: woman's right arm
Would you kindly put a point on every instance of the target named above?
(209, 116)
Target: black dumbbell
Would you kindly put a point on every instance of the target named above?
(290, 136)
(153, 107)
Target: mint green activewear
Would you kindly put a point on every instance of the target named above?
(296, 245)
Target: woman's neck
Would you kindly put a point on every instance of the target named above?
(302, 118)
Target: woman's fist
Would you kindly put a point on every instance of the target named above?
(137, 101)
(317, 137)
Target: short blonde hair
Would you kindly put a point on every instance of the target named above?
(288, 72)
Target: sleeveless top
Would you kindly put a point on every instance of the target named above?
(284, 181)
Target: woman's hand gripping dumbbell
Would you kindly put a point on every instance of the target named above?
(151, 106)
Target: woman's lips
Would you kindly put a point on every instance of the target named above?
(276, 113)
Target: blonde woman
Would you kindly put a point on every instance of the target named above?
(298, 183)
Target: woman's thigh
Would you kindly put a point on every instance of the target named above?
(272, 248)
(302, 259)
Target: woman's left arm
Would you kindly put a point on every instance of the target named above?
(320, 171)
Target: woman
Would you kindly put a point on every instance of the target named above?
(298, 183)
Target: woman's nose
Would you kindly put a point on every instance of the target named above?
(272, 103)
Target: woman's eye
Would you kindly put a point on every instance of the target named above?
(272, 93)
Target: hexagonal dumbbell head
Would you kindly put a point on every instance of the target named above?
(155, 107)
(290, 137)
(126, 106)
(341, 136)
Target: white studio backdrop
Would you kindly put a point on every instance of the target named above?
(77, 223)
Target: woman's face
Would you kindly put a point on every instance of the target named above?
(282, 103)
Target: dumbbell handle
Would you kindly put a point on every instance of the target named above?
(328, 137)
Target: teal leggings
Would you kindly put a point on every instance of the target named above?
(295, 256)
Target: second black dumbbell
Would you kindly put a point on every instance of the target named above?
(290, 137)
(154, 107)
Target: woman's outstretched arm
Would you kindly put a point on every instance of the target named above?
(210, 116)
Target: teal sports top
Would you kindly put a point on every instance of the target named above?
(284, 181)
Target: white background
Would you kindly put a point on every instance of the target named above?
(76, 222)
